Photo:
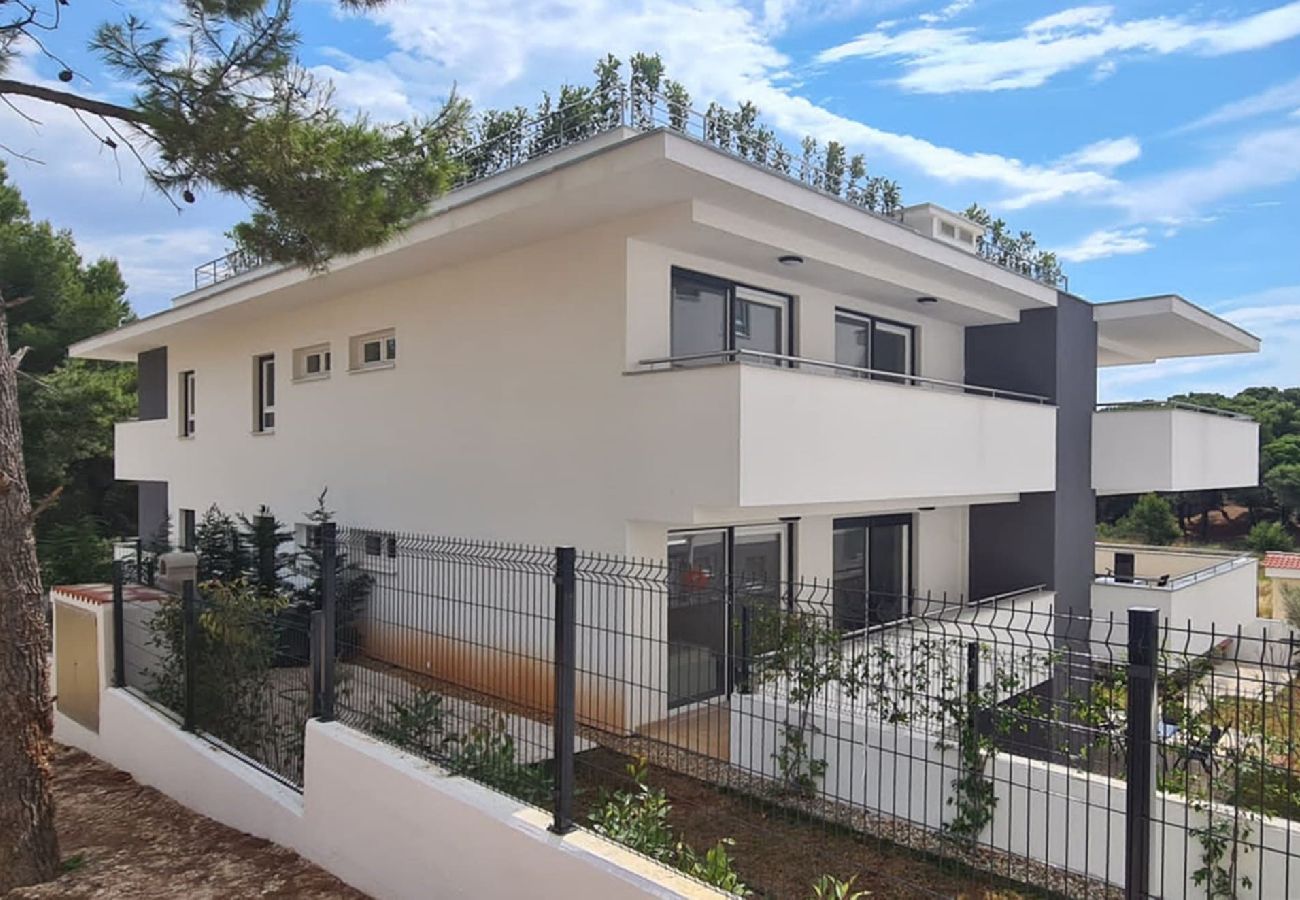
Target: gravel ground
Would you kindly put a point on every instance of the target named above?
(121, 839)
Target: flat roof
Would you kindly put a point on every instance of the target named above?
(1166, 326)
(707, 200)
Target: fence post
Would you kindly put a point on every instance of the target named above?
(972, 685)
(565, 724)
(316, 641)
(265, 552)
(119, 618)
(329, 583)
(190, 643)
(1143, 642)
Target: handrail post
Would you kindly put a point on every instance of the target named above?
(329, 607)
(1143, 637)
(565, 724)
(119, 618)
(190, 645)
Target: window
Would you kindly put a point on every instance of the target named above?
(312, 363)
(723, 586)
(381, 545)
(377, 350)
(866, 342)
(873, 570)
(712, 316)
(947, 229)
(187, 403)
(187, 529)
(264, 369)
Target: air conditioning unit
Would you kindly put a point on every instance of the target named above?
(174, 569)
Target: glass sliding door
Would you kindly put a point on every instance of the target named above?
(699, 316)
(891, 348)
(713, 315)
(873, 570)
(697, 615)
(869, 343)
(724, 586)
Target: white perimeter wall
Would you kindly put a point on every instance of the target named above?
(385, 822)
(1045, 812)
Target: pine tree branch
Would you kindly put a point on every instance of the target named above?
(73, 101)
(50, 499)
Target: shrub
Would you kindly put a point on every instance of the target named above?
(1151, 521)
(1266, 536)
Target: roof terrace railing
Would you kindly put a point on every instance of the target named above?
(594, 113)
(1129, 406)
(780, 360)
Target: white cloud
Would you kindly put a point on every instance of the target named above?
(721, 49)
(1107, 154)
(1284, 97)
(947, 60)
(1106, 242)
(1257, 161)
(1273, 315)
(951, 11)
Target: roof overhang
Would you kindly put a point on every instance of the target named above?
(669, 188)
(1147, 329)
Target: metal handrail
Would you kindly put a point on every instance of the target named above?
(635, 107)
(1175, 583)
(735, 356)
(1129, 405)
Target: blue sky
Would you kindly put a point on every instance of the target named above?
(1156, 146)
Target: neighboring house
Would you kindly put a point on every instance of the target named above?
(1282, 566)
(641, 344)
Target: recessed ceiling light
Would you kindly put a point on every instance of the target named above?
(790, 259)
(927, 299)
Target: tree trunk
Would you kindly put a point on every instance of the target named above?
(29, 850)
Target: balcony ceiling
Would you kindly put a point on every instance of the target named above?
(1147, 329)
(672, 188)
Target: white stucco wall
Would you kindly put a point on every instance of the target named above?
(1139, 450)
(384, 822)
(1197, 609)
(509, 414)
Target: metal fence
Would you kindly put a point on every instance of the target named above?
(927, 743)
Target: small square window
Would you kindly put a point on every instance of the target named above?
(373, 351)
(381, 545)
(311, 363)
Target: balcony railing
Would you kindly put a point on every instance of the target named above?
(643, 110)
(1131, 405)
(760, 357)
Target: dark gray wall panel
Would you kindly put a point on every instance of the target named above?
(151, 510)
(151, 380)
(1012, 545)
(1076, 503)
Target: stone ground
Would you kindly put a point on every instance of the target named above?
(121, 839)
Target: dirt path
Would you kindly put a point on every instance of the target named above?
(122, 839)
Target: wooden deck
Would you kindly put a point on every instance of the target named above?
(704, 729)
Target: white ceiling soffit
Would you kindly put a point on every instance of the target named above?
(1147, 329)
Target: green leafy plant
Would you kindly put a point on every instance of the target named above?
(487, 753)
(1151, 520)
(828, 887)
(414, 725)
(638, 819)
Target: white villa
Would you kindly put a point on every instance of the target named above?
(644, 345)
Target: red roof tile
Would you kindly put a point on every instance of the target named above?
(1277, 560)
(103, 593)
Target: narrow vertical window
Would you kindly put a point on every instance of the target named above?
(266, 393)
(187, 404)
(187, 529)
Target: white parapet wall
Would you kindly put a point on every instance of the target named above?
(1048, 813)
(385, 822)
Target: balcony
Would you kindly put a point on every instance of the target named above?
(139, 446)
(1149, 446)
(743, 430)
(1215, 592)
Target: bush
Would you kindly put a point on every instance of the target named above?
(1266, 536)
(1151, 521)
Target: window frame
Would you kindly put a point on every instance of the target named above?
(865, 524)
(730, 288)
(872, 321)
(264, 393)
(186, 397)
(302, 357)
(386, 338)
(188, 529)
